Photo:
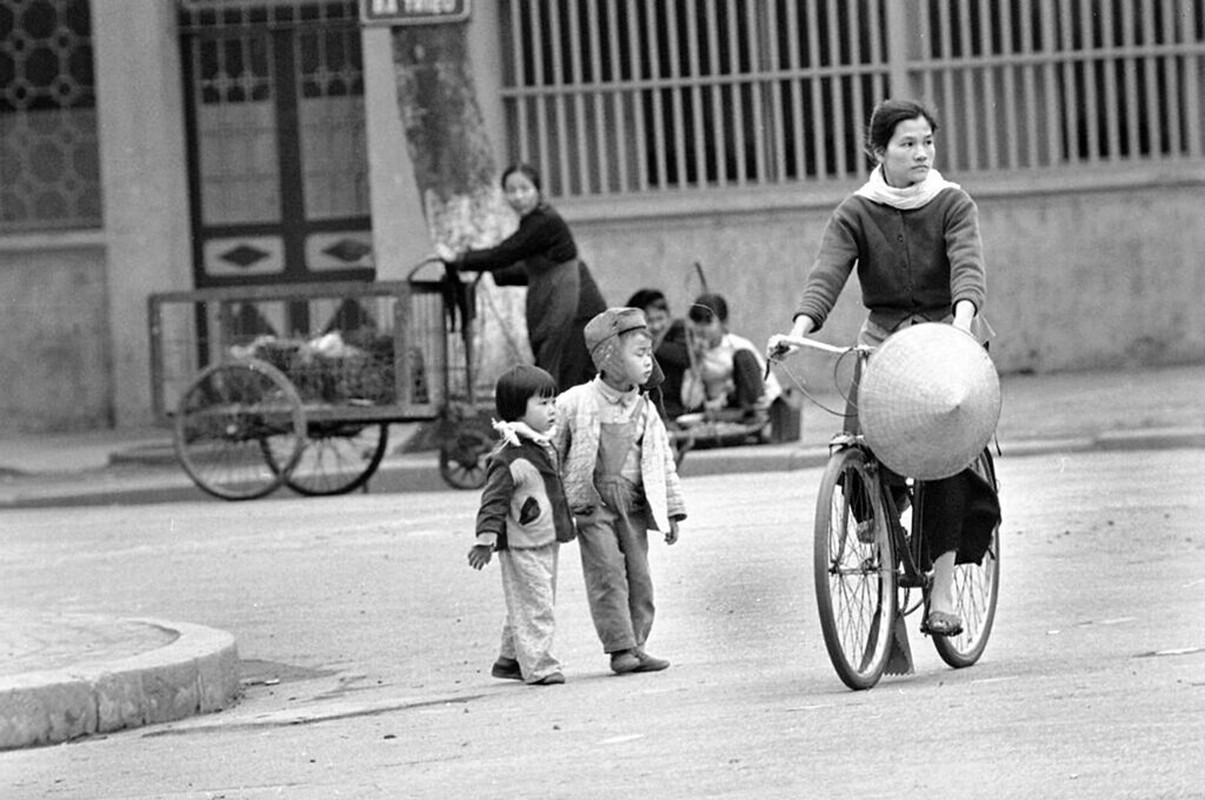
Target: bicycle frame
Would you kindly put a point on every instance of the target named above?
(913, 562)
(865, 563)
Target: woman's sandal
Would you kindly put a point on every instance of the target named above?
(939, 623)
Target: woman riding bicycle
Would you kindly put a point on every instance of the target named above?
(914, 239)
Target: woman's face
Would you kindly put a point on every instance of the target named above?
(909, 155)
(657, 318)
(521, 193)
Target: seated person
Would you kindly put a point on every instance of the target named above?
(725, 378)
(669, 348)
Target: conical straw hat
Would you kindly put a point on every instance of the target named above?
(929, 401)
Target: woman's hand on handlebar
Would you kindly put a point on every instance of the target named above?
(964, 315)
(778, 346)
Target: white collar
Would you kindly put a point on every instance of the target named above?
(624, 399)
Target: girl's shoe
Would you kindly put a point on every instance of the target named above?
(549, 679)
(507, 669)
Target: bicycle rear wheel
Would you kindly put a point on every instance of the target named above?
(854, 573)
(976, 588)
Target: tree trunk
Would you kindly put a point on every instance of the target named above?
(456, 175)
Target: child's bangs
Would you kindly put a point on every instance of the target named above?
(544, 386)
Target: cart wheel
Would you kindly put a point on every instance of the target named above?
(228, 419)
(462, 454)
(338, 457)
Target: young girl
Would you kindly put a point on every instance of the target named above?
(524, 517)
(620, 481)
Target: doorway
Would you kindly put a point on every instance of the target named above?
(278, 162)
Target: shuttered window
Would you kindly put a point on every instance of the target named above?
(624, 96)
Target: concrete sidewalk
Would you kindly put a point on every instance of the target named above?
(1065, 411)
(65, 677)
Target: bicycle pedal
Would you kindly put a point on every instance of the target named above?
(866, 531)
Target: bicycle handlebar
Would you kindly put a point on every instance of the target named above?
(781, 344)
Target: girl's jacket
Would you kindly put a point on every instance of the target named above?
(523, 503)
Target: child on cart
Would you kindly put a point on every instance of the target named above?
(621, 481)
(727, 378)
(524, 517)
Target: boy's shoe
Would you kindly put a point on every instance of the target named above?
(624, 661)
(507, 669)
(549, 679)
(649, 663)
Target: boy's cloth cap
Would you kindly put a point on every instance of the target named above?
(613, 322)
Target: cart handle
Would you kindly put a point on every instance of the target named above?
(431, 258)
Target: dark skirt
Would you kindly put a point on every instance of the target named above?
(960, 513)
(561, 299)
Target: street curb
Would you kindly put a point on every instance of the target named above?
(419, 472)
(761, 458)
(766, 458)
(1153, 439)
(196, 673)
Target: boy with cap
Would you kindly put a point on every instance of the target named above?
(620, 481)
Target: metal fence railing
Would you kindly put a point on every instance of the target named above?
(627, 96)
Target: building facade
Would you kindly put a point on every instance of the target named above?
(154, 146)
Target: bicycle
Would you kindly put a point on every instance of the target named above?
(867, 564)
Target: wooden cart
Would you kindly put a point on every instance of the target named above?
(298, 384)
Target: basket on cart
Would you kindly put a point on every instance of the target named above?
(298, 384)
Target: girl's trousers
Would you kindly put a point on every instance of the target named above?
(529, 587)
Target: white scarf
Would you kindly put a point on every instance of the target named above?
(511, 431)
(918, 195)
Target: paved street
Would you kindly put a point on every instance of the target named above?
(367, 641)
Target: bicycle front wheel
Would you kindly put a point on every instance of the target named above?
(853, 563)
(976, 588)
